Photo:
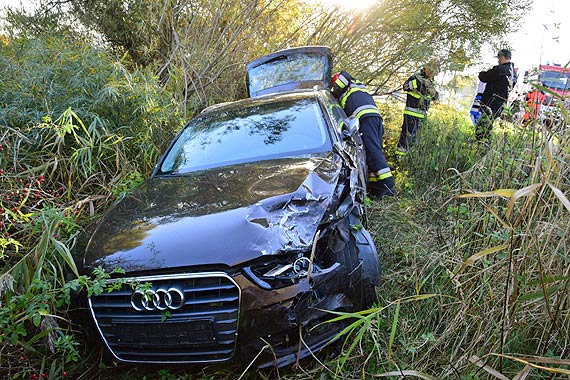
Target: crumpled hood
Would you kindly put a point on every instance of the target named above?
(224, 216)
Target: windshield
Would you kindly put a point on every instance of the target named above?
(260, 132)
(555, 80)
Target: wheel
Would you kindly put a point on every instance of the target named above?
(369, 295)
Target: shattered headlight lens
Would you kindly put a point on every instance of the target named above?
(276, 273)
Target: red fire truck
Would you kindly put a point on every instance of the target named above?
(556, 79)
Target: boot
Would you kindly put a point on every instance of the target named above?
(381, 189)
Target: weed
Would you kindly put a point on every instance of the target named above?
(486, 227)
(74, 125)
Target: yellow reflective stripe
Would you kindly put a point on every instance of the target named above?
(352, 90)
(414, 94)
(415, 83)
(364, 110)
(367, 111)
(379, 175)
(400, 153)
(339, 83)
(416, 114)
(414, 109)
(381, 171)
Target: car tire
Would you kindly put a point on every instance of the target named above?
(371, 268)
(369, 294)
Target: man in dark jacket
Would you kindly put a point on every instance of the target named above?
(357, 101)
(499, 81)
(420, 91)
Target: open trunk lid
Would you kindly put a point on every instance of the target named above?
(289, 69)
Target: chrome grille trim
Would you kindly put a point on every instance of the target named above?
(113, 313)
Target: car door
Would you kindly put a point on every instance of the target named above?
(347, 134)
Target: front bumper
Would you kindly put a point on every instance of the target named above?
(226, 319)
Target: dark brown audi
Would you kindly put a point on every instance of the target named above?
(251, 228)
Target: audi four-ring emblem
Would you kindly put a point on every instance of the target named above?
(157, 299)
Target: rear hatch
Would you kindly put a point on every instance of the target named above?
(290, 69)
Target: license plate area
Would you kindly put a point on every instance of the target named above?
(187, 331)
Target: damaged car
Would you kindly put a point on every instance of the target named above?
(251, 228)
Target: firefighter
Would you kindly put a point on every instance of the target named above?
(499, 80)
(534, 100)
(357, 101)
(420, 90)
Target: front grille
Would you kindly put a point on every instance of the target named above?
(202, 330)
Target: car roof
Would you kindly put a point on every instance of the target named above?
(315, 92)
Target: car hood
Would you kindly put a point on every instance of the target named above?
(223, 216)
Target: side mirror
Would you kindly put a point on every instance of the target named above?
(350, 127)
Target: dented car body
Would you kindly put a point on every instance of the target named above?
(250, 229)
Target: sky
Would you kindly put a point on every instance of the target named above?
(544, 35)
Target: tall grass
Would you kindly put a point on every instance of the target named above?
(479, 236)
(474, 247)
(77, 129)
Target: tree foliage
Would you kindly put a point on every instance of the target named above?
(396, 36)
(199, 48)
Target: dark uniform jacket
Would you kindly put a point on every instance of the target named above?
(500, 80)
(420, 91)
(358, 102)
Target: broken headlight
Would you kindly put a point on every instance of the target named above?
(280, 272)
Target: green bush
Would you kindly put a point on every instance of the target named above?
(44, 77)
(77, 130)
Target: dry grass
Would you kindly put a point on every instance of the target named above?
(491, 240)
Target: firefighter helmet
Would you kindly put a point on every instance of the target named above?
(339, 83)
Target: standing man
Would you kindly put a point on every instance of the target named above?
(420, 90)
(499, 81)
(534, 100)
(357, 101)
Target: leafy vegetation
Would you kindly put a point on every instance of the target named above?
(199, 48)
(475, 246)
(59, 166)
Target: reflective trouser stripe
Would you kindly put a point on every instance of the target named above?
(415, 112)
(414, 94)
(380, 175)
